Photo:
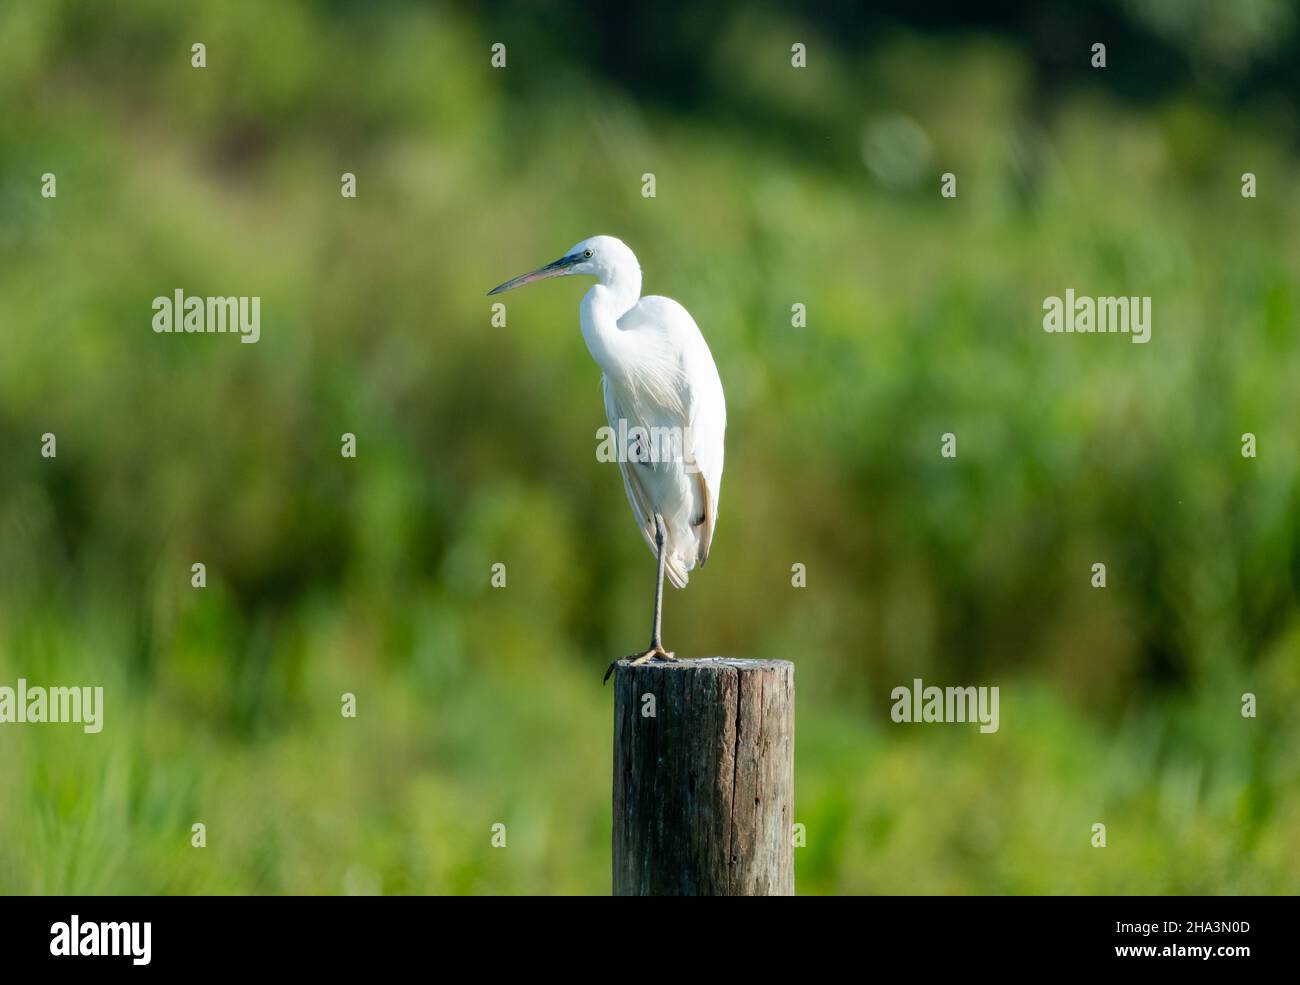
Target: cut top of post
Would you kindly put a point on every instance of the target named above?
(709, 663)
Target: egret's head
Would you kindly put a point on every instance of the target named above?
(602, 257)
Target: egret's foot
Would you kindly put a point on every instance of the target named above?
(654, 653)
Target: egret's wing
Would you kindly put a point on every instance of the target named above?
(707, 413)
(678, 377)
(637, 494)
(637, 477)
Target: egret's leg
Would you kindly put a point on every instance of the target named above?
(660, 538)
(656, 651)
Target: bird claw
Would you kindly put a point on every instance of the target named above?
(636, 659)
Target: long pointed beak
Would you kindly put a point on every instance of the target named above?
(558, 268)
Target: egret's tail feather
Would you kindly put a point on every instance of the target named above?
(676, 570)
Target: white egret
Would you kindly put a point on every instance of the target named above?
(663, 392)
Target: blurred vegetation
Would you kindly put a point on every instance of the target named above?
(476, 444)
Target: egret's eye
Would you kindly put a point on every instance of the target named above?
(587, 254)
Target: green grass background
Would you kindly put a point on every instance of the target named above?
(476, 445)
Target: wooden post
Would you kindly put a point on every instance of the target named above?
(704, 778)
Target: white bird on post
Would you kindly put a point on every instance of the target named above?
(662, 392)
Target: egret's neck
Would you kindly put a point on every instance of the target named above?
(623, 279)
(602, 307)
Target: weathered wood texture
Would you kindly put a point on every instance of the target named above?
(704, 788)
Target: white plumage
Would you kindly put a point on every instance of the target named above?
(674, 389)
(659, 380)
